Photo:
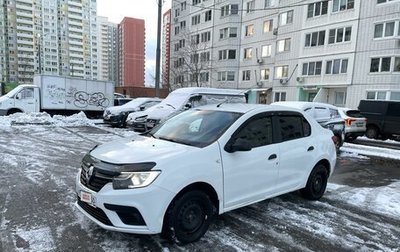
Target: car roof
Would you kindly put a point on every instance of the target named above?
(202, 90)
(303, 104)
(245, 107)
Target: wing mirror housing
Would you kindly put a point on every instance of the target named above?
(238, 144)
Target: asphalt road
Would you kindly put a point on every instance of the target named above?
(38, 165)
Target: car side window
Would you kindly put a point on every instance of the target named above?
(293, 127)
(321, 113)
(334, 113)
(27, 93)
(257, 131)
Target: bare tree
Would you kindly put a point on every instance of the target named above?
(191, 60)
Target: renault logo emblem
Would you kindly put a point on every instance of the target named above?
(89, 173)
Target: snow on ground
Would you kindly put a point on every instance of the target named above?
(370, 151)
(377, 140)
(43, 118)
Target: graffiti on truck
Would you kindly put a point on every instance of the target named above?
(55, 94)
(82, 99)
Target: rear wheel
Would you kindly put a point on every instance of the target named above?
(188, 217)
(372, 132)
(13, 111)
(316, 183)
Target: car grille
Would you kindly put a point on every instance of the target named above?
(96, 213)
(95, 179)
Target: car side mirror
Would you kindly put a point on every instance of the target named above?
(141, 108)
(238, 144)
(187, 106)
(18, 96)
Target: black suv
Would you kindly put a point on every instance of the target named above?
(383, 118)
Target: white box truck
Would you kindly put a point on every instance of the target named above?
(59, 95)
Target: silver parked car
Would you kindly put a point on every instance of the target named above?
(355, 123)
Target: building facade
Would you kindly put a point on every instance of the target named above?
(337, 51)
(107, 46)
(50, 37)
(166, 45)
(131, 52)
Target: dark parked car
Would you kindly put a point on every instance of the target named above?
(121, 101)
(383, 118)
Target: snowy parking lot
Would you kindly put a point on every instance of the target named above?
(40, 157)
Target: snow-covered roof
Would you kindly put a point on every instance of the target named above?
(202, 90)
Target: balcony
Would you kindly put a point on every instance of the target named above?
(75, 3)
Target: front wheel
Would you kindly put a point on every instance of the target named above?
(372, 132)
(189, 217)
(316, 183)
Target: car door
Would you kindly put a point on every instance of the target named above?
(296, 148)
(250, 175)
(25, 100)
(392, 119)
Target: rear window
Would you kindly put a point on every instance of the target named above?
(354, 113)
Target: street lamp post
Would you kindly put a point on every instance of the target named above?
(158, 51)
(39, 54)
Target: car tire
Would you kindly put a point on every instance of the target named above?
(188, 217)
(372, 132)
(316, 183)
(339, 142)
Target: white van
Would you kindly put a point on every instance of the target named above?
(182, 99)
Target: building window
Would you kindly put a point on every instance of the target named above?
(205, 36)
(246, 75)
(205, 56)
(226, 54)
(312, 68)
(248, 53)
(281, 72)
(194, 58)
(376, 95)
(226, 76)
(195, 2)
(286, 18)
(195, 39)
(339, 35)
(283, 45)
(230, 9)
(250, 6)
(395, 96)
(280, 96)
(317, 9)
(266, 51)
(183, 25)
(249, 30)
(196, 20)
(315, 39)
(337, 66)
(204, 76)
(385, 30)
(264, 74)
(268, 26)
(230, 32)
(385, 1)
(176, 30)
(396, 64)
(208, 16)
(340, 98)
(183, 5)
(267, 3)
(342, 5)
(380, 65)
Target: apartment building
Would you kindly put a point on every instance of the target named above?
(289, 50)
(49, 37)
(131, 51)
(107, 50)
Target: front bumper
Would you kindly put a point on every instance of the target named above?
(151, 203)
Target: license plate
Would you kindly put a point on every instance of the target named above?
(359, 124)
(86, 197)
(150, 125)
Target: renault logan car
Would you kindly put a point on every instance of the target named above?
(203, 162)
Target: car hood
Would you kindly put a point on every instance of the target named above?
(137, 150)
(119, 109)
(161, 112)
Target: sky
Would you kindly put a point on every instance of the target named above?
(116, 10)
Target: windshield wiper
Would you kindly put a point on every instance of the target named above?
(170, 105)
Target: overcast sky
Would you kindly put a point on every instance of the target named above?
(116, 10)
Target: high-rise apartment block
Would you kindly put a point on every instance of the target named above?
(131, 52)
(107, 46)
(337, 51)
(57, 37)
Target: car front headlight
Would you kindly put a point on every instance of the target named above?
(141, 119)
(130, 180)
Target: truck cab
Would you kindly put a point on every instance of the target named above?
(23, 98)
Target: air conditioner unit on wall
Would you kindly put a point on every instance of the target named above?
(260, 61)
(275, 31)
(176, 20)
(283, 81)
(300, 79)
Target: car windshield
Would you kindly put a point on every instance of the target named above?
(195, 127)
(175, 100)
(133, 103)
(354, 113)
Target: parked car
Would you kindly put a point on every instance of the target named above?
(383, 118)
(355, 123)
(137, 120)
(185, 98)
(121, 101)
(116, 116)
(118, 95)
(203, 162)
(326, 115)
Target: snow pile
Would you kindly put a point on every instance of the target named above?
(79, 119)
(352, 155)
(370, 151)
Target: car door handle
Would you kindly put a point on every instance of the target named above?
(272, 157)
(311, 148)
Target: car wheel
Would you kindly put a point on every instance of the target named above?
(372, 132)
(338, 143)
(188, 217)
(316, 183)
